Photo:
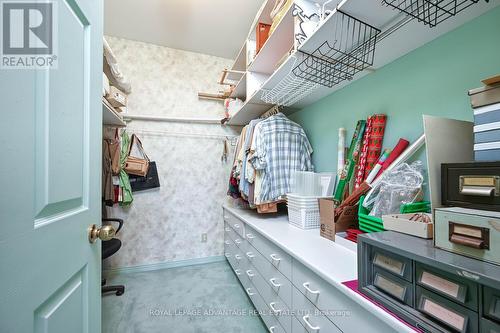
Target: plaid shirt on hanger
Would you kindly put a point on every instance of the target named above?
(281, 147)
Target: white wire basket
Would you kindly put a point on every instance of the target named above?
(291, 89)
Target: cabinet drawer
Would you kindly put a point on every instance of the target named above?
(229, 232)
(269, 320)
(276, 256)
(276, 281)
(350, 316)
(446, 312)
(392, 263)
(235, 223)
(448, 285)
(311, 320)
(230, 251)
(489, 326)
(275, 304)
(491, 307)
(393, 286)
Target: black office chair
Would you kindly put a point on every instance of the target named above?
(109, 248)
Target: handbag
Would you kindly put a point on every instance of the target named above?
(114, 153)
(147, 182)
(136, 165)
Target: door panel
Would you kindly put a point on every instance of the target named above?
(50, 170)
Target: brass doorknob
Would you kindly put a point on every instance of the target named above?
(104, 233)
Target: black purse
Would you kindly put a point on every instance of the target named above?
(151, 180)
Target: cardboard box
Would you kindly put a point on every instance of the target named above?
(329, 227)
(116, 97)
(401, 223)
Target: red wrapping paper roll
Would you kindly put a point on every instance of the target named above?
(398, 150)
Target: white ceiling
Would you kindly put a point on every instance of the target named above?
(215, 27)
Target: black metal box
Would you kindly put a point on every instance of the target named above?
(473, 185)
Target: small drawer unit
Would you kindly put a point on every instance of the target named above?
(460, 291)
(470, 232)
(392, 263)
(444, 312)
(471, 185)
(447, 292)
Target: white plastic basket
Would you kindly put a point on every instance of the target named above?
(304, 218)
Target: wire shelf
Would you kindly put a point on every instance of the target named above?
(430, 12)
(290, 89)
(348, 51)
(351, 50)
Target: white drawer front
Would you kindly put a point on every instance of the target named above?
(276, 256)
(344, 312)
(275, 304)
(230, 251)
(311, 320)
(276, 281)
(271, 321)
(235, 223)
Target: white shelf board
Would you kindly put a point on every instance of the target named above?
(110, 117)
(240, 90)
(277, 45)
(240, 63)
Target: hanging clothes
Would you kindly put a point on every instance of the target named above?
(245, 183)
(125, 194)
(281, 146)
(108, 194)
(233, 190)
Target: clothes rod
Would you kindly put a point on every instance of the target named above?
(183, 134)
(130, 117)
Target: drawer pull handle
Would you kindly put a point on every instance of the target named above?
(250, 273)
(250, 236)
(481, 186)
(237, 256)
(238, 241)
(249, 292)
(227, 230)
(308, 323)
(306, 285)
(236, 225)
(237, 271)
(250, 255)
(273, 308)
(468, 235)
(271, 329)
(273, 282)
(227, 243)
(227, 254)
(275, 257)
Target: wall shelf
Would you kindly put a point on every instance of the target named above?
(277, 45)
(110, 117)
(240, 90)
(399, 36)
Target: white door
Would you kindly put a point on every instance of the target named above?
(50, 170)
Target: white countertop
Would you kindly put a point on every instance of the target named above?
(333, 262)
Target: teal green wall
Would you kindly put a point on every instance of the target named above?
(433, 79)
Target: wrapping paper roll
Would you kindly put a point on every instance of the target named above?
(398, 150)
(361, 166)
(375, 143)
(341, 151)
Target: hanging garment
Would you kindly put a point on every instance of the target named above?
(108, 194)
(125, 197)
(281, 146)
(233, 189)
(244, 181)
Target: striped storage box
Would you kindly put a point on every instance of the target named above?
(487, 133)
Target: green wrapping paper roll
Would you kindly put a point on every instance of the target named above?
(351, 159)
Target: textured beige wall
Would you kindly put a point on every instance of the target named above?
(166, 224)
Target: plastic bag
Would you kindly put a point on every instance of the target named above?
(400, 186)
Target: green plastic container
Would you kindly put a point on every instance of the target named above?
(416, 207)
(368, 223)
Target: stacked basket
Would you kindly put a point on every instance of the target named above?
(307, 188)
(303, 211)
